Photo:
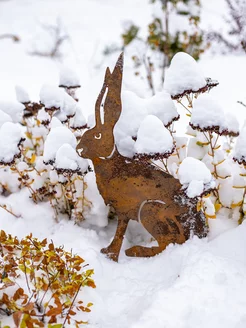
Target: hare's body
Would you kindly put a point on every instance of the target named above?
(150, 196)
(136, 190)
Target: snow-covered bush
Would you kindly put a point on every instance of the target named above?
(47, 163)
(146, 132)
(41, 283)
(42, 152)
(211, 137)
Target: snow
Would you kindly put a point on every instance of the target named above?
(57, 98)
(57, 137)
(153, 137)
(10, 137)
(22, 95)
(78, 120)
(51, 96)
(14, 109)
(195, 177)
(69, 105)
(43, 116)
(55, 123)
(68, 159)
(4, 118)
(68, 77)
(208, 114)
(184, 74)
(191, 169)
(134, 111)
(162, 106)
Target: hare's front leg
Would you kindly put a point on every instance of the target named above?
(113, 250)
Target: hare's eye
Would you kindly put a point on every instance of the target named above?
(98, 136)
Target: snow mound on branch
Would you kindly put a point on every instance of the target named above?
(21, 94)
(134, 111)
(10, 137)
(208, 114)
(56, 138)
(68, 77)
(69, 105)
(4, 118)
(68, 159)
(14, 109)
(43, 116)
(162, 106)
(195, 177)
(153, 137)
(183, 74)
(51, 96)
(57, 98)
(240, 148)
(78, 121)
(55, 123)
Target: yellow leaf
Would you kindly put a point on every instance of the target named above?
(29, 135)
(201, 144)
(210, 216)
(33, 159)
(234, 205)
(199, 206)
(217, 207)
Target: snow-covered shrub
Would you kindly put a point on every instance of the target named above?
(211, 133)
(69, 80)
(146, 132)
(45, 160)
(41, 283)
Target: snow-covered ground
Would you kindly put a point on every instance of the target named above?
(201, 283)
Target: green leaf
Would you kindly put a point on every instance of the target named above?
(56, 325)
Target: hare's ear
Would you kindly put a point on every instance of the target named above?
(100, 97)
(118, 69)
(112, 107)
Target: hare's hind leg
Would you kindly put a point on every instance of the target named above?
(159, 220)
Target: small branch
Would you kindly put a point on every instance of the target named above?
(241, 103)
(13, 37)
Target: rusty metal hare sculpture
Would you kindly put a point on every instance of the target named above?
(136, 190)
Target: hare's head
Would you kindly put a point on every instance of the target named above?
(99, 141)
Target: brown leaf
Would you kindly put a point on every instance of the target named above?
(18, 294)
(53, 311)
(17, 317)
(29, 307)
(53, 319)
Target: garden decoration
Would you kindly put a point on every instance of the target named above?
(136, 189)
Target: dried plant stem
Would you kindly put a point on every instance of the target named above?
(10, 211)
(180, 102)
(148, 66)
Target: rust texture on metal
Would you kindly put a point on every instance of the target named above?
(135, 189)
